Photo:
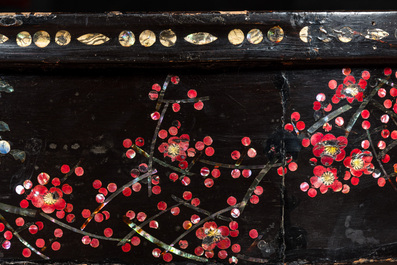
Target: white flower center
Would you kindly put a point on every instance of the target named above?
(357, 163)
(331, 149)
(327, 178)
(351, 90)
(51, 198)
(173, 150)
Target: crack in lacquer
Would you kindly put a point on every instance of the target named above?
(284, 95)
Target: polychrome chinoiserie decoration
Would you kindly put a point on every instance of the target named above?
(208, 138)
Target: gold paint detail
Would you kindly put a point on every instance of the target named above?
(304, 34)
(345, 34)
(93, 39)
(42, 14)
(63, 38)
(115, 13)
(327, 178)
(236, 36)
(200, 38)
(275, 34)
(24, 39)
(167, 38)
(245, 12)
(3, 38)
(376, 34)
(126, 38)
(364, 260)
(255, 36)
(41, 38)
(147, 38)
(7, 14)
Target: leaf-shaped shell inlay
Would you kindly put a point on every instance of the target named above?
(93, 39)
(376, 34)
(200, 38)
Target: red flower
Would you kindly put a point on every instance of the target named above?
(47, 200)
(213, 236)
(176, 147)
(328, 147)
(350, 90)
(359, 162)
(325, 178)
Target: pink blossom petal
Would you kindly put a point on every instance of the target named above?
(200, 233)
(40, 190)
(335, 99)
(362, 83)
(210, 225)
(355, 181)
(312, 193)
(355, 151)
(60, 204)
(381, 182)
(360, 97)
(305, 142)
(323, 189)
(349, 79)
(367, 157)
(224, 230)
(347, 161)
(327, 160)
(295, 116)
(48, 208)
(37, 201)
(337, 186)
(328, 137)
(332, 84)
(356, 173)
(346, 188)
(316, 182)
(347, 175)
(316, 138)
(304, 186)
(319, 170)
(224, 243)
(318, 150)
(341, 155)
(342, 141)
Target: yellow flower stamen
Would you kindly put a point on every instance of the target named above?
(351, 90)
(327, 178)
(173, 150)
(357, 163)
(50, 198)
(212, 235)
(213, 232)
(331, 150)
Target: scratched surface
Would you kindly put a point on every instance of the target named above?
(324, 47)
